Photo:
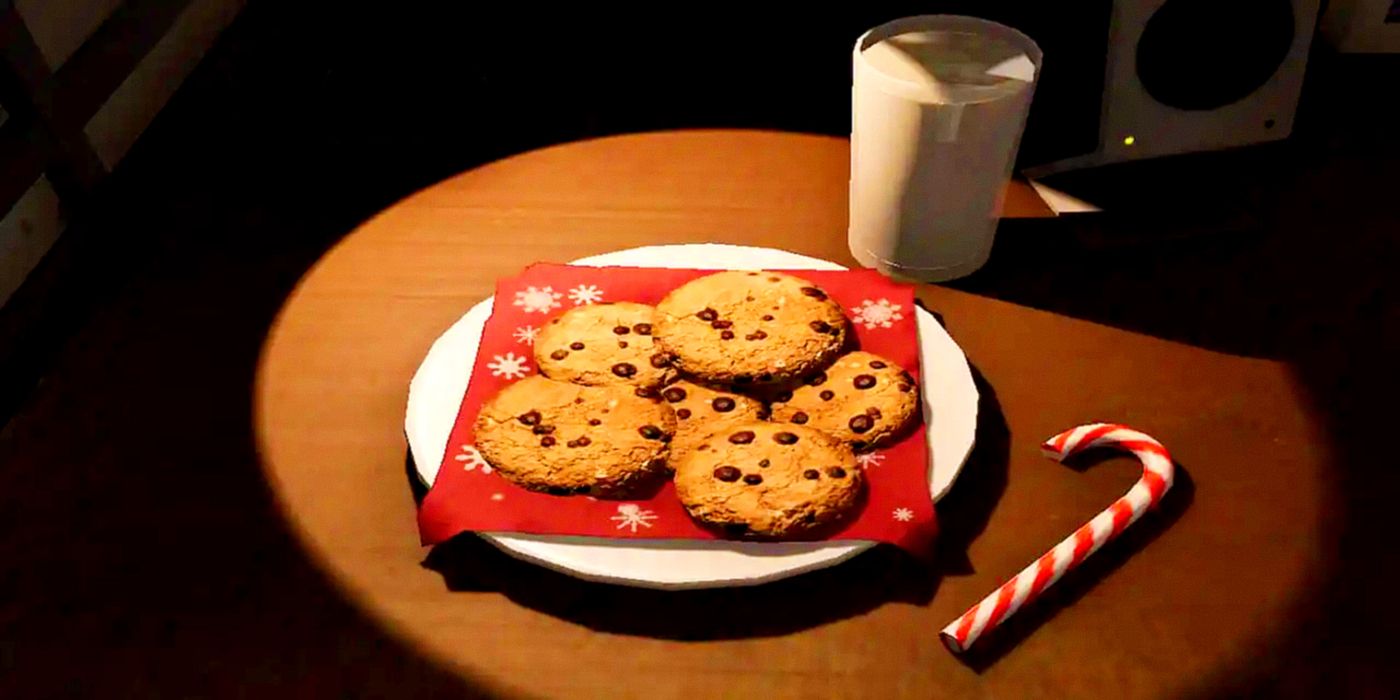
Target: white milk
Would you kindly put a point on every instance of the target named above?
(938, 107)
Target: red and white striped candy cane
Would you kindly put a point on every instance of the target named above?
(1157, 473)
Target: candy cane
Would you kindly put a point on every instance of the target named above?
(1157, 473)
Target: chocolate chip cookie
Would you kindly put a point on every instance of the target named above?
(862, 398)
(603, 344)
(769, 480)
(751, 327)
(565, 438)
(701, 410)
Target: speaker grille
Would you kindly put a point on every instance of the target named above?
(1205, 54)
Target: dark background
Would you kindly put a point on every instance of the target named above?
(125, 570)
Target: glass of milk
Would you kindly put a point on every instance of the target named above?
(938, 106)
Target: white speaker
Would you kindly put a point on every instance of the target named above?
(1197, 75)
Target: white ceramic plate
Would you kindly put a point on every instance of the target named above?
(435, 395)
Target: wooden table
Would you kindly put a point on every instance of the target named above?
(1190, 600)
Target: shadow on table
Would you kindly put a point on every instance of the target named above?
(1068, 590)
(468, 563)
(963, 513)
(882, 574)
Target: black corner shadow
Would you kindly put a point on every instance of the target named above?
(880, 575)
(1068, 590)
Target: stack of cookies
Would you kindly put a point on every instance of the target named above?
(742, 386)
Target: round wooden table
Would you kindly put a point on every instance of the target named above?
(1196, 597)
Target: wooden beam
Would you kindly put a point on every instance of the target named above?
(85, 81)
(22, 160)
(72, 165)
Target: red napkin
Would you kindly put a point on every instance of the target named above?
(468, 496)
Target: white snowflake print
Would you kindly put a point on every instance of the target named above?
(508, 366)
(472, 460)
(526, 335)
(631, 515)
(538, 299)
(877, 314)
(498, 497)
(585, 294)
(871, 459)
(903, 515)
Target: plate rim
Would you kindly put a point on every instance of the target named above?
(532, 548)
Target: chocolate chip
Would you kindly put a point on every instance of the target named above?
(799, 418)
(783, 397)
(864, 381)
(547, 441)
(622, 343)
(579, 442)
(726, 335)
(555, 322)
(768, 317)
(836, 472)
(828, 395)
(765, 377)
(723, 404)
(906, 376)
(820, 326)
(542, 429)
(861, 424)
(594, 421)
(645, 392)
(683, 413)
(642, 328)
(874, 413)
(764, 414)
(784, 438)
(529, 418)
(756, 335)
(576, 346)
(876, 364)
(721, 324)
(763, 462)
(753, 479)
(817, 379)
(660, 360)
(753, 274)
(727, 473)
(702, 448)
(559, 354)
(624, 369)
(775, 279)
(814, 293)
(811, 474)
(743, 379)
(650, 432)
(743, 437)
(707, 314)
(674, 394)
(904, 388)
(857, 445)
(621, 330)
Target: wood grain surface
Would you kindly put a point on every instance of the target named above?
(1194, 595)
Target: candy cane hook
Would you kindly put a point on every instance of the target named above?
(1157, 474)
